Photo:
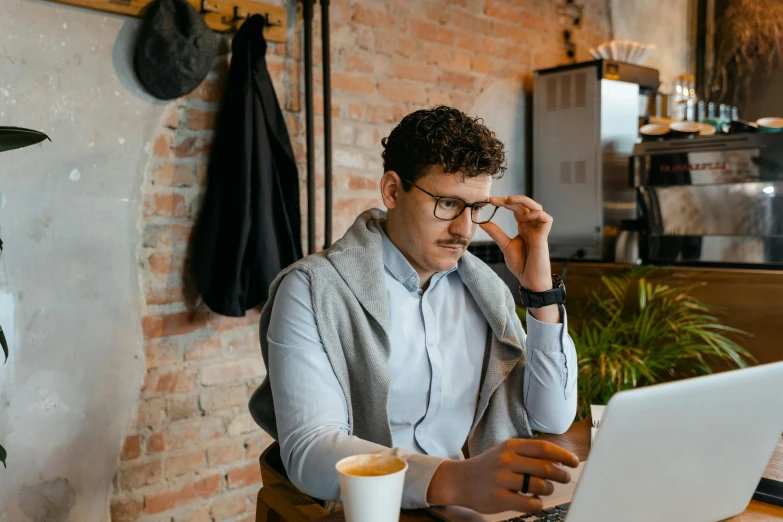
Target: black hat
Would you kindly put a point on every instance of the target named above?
(175, 49)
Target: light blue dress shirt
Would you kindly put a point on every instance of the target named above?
(438, 338)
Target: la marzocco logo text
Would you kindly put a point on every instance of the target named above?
(690, 167)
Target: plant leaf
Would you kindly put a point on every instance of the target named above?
(636, 332)
(16, 137)
(4, 343)
(3, 455)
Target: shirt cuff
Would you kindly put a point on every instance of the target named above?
(547, 337)
(421, 468)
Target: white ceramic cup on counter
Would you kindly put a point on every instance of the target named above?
(371, 487)
(770, 124)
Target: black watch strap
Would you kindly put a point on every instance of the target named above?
(557, 295)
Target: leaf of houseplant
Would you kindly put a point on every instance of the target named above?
(2, 456)
(4, 343)
(16, 137)
(635, 331)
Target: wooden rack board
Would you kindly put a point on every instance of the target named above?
(222, 15)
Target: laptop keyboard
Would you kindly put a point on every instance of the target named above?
(553, 514)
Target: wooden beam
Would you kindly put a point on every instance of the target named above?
(222, 20)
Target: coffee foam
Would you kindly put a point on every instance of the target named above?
(371, 465)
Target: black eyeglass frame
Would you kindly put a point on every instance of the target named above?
(471, 205)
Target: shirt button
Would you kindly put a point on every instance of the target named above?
(399, 278)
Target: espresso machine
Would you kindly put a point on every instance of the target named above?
(586, 120)
(712, 200)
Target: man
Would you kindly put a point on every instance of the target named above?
(398, 341)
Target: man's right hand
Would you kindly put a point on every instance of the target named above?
(490, 482)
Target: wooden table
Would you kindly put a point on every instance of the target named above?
(577, 440)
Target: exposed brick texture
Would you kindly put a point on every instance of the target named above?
(190, 453)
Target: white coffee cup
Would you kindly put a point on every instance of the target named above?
(371, 487)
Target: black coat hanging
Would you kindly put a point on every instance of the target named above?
(249, 225)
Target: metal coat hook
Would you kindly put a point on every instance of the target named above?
(206, 7)
(267, 19)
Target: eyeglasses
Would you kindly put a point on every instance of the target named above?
(448, 208)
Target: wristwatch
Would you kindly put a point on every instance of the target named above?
(548, 297)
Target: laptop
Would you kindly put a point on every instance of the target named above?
(691, 450)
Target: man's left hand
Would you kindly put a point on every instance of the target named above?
(527, 255)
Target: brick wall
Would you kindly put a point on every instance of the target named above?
(191, 450)
(191, 453)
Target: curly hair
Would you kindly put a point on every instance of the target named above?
(442, 136)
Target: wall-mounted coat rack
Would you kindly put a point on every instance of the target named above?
(220, 15)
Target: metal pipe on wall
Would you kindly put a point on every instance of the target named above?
(308, 70)
(327, 123)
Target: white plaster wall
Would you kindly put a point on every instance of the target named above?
(502, 107)
(664, 23)
(70, 298)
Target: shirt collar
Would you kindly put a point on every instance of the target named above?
(400, 268)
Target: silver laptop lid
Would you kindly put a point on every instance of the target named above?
(690, 450)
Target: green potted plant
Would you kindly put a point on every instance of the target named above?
(15, 138)
(635, 332)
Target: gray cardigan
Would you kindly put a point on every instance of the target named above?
(351, 312)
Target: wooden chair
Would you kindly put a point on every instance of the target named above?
(278, 498)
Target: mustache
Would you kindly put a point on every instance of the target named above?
(454, 242)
